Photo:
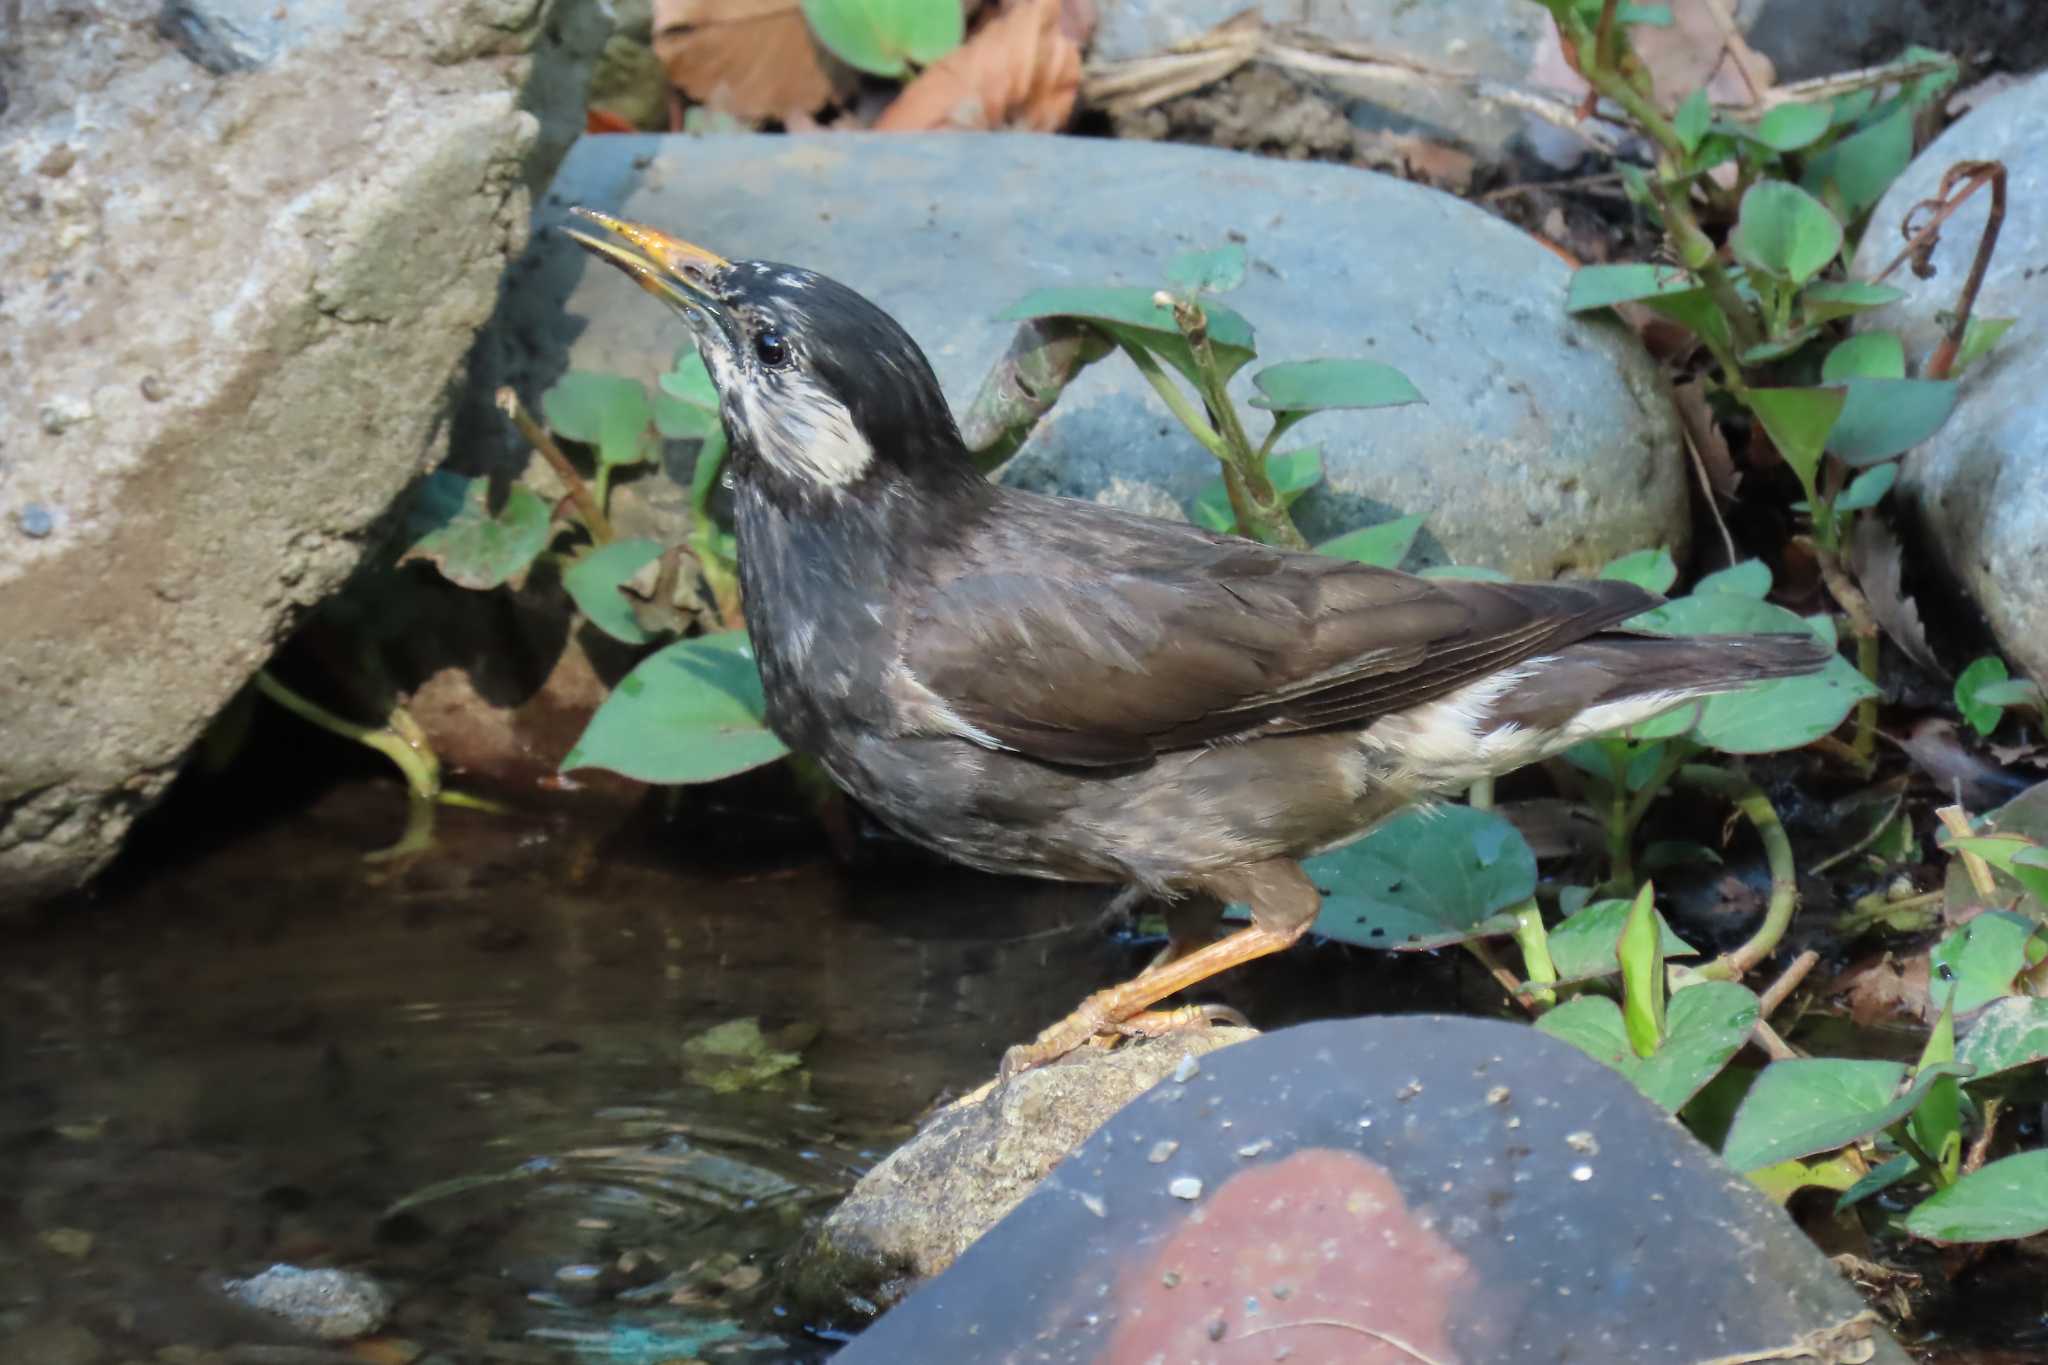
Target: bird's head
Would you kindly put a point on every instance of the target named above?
(821, 391)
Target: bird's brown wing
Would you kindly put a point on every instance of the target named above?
(1080, 634)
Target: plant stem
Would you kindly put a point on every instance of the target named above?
(1676, 752)
(1176, 401)
(588, 506)
(1498, 970)
(399, 740)
(1751, 801)
(1537, 963)
(1044, 356)
(1260, 512)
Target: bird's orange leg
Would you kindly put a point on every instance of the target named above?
(1284, 904)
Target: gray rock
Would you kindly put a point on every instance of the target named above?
(1548, 444)
(333, 1305)
(930, 1199)
(1978, 489)
(1449, 1189)
(230, 310)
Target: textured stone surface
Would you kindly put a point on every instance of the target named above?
(1978, 490)
(912, 1215)
(1548, 443)
(1389, 1189)
(243, 250)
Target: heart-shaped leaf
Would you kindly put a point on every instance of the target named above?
(1867, 355)
(1789, 127)
(1128, 314)
(2005, 1200)
(1784, 232)
(1799, 421)
(1586, 944)
(1652, 569)
(1705, 1026)
(692, 712)
(472, 547)
(1603, 286)
(605, 411)
(1384, 546)
(1816, 1104)
(885, 37)
(593, 583)
(1886, 417)
(1306, 386)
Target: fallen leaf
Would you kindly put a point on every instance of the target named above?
(1419, 158)
(1707, 437)
(1938, 749)
(753, 59)
(1021, 69)
(1881, 988)
(1876, 558)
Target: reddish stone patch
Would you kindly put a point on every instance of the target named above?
(1312, 1260)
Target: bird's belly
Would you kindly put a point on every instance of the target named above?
(1162, 824)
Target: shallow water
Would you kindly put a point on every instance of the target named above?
(253, 1054)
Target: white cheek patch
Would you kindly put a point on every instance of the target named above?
(806, 433)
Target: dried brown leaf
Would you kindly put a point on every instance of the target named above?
(1881, 988)
(1021, 69)
(1877, 559)
(1707, 437)
(753, 59)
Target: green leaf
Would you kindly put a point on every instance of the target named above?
(1776, 348)
(1764, 717)
(1642, 976)
(1669, 853)
(1691, 120)
(1784, 232)
(1886, 417)
(1586, 944)
(1877, 1181)
(2012, 692)
(1983, 716)
(2009, 1034)
(593, 583)
(1694, 309)
(1425, 879)
(1293, 473)
(1798, 421)
(1750, 578)
(1706, 1026)
(1603, 286)
(1980, 334)
(1868, 355)
(1652, 569)
(1789, 127)
(1861, 166)
(605, 411)
(471, 547)
(1937, 1125)
(680, 421)
(691, 712)
(1384, 546)
(1816, 1104)
(1316, 385)
(884, 37)
(1213, 272)
(1130, 317)
(1982, 958)
(1474, 573)
(1826, 300)
(690, 380)
(2005, 1200)
(1868, 488)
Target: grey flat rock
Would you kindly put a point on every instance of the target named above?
(1548, 443)
(1978, 489)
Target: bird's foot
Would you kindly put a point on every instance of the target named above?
(1187, 1019)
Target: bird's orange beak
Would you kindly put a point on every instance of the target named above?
(672, 270)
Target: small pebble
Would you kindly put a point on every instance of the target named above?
(154, 390)
(334, 1305)
(1188, 1069)
(1161, 1150)
(1497, 1095)
(1582, 1173)
(1252, 1149)
(36, 520)
(1185, 1187)
(1583, 1142)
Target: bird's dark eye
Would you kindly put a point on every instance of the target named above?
(772, 349)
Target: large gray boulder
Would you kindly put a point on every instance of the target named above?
(1978, 489)
(244, 248)
(1548, 443)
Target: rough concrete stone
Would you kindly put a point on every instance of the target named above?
(930, 1199)
(243, 250)
(1548, 443)
(1978, 489)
